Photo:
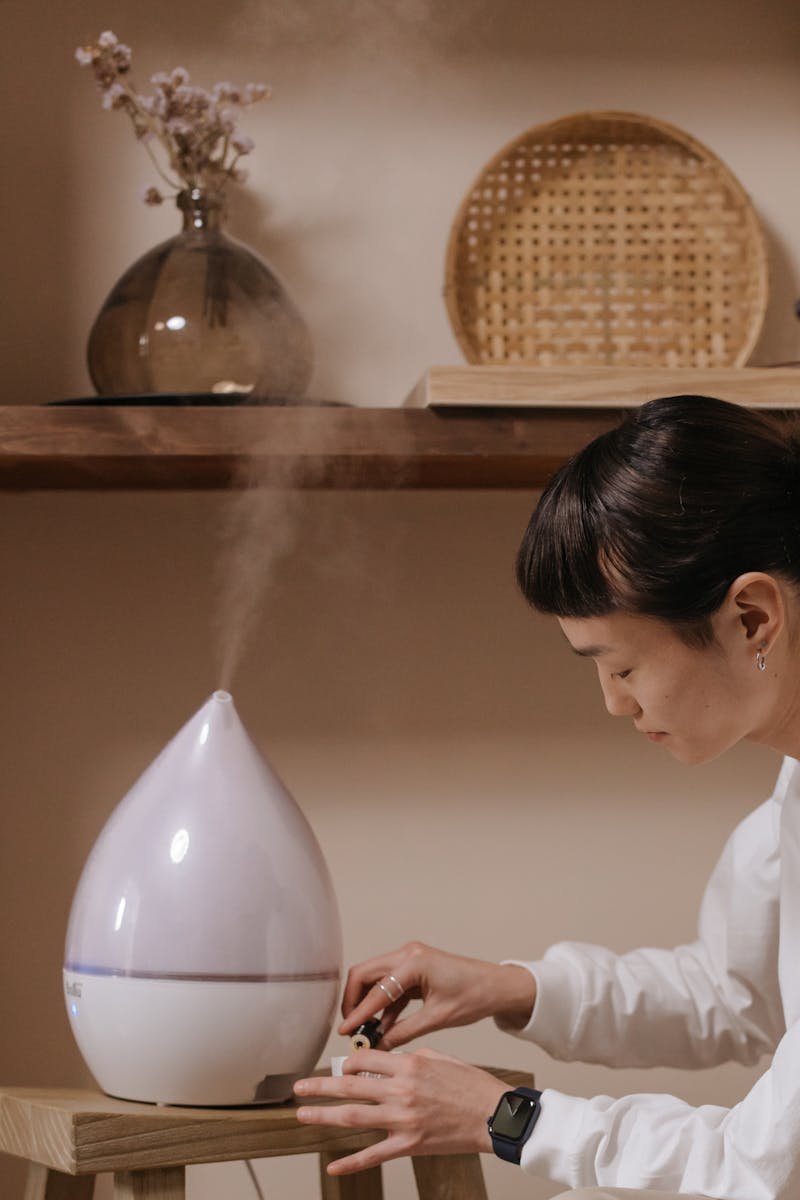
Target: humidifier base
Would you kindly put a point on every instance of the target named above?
(207, 1043)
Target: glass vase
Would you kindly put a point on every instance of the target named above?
(200, 313)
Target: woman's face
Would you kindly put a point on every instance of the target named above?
(696, 702)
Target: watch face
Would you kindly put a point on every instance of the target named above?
(512, 1115)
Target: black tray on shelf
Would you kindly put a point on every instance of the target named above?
(190, 400)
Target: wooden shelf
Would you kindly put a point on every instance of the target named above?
(184, 448)
(518, 442)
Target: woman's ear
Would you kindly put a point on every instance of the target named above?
(755, 601)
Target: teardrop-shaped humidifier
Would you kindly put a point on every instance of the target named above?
(203, 953)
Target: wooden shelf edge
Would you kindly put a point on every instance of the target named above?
(598, 387)
(205, 448)
(463, 427)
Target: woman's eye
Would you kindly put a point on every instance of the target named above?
(620, 674)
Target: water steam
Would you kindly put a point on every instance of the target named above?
(258, 531)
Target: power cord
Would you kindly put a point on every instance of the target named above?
(254, 1178)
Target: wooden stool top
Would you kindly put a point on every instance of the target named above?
(81, 1132)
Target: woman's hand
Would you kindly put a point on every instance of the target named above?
(454, 991)
(427, 1102)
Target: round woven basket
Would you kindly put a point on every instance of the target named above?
(606, 239)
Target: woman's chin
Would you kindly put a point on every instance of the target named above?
(691, 754)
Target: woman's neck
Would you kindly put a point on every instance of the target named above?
(782, 731)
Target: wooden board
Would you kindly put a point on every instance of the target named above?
(601, 387)
(463, 427)
(363, 1185)
(150, 1185)
(181, 448)
(83, 1132)
(45, 1184)
(456, 1177)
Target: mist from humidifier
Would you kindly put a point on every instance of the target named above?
(403, 37)
(258, 530)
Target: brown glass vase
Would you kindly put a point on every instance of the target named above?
(200, 314)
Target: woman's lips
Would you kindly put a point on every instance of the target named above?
(656, 737)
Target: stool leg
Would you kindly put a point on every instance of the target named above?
(449, 1177)
(45, 1184)
(163, 1183)
(364, 1185)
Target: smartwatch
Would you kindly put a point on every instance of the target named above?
(512, 1122)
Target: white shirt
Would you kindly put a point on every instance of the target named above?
(734, 994)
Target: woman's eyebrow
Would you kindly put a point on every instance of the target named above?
(591, 651)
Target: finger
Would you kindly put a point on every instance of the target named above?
(367, 1008)
(361, 977)
(422, 1022)
(391, 1013)
(373, 1156)
(375, 1001)
(377, 1062)
(347, 1116)
(338, 1087)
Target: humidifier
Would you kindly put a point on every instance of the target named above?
(203, 952)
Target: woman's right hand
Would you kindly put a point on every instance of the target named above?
(454, 991)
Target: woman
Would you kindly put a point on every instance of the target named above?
(669, 551)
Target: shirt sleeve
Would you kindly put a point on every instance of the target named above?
(713, 1000)
(748, 1152)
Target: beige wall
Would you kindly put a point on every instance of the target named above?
(453, 759)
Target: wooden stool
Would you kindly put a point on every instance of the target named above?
(69, 1137)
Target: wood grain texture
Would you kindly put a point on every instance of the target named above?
(364, 1185)
(151, 448)
(450, 1177)
(44, 1184)
(150, 1185)
(567, 388)
(463, 427)
(83, 1132)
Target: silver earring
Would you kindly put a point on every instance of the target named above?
(761, 661)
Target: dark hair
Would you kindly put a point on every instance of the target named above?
(660, 515)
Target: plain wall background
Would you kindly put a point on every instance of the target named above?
(454, 759)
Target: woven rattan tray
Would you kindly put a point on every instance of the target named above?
(606, 239)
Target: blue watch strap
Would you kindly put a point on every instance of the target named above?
(510, 1148)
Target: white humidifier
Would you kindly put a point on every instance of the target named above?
(203, 953)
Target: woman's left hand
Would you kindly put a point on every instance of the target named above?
(427, 1102)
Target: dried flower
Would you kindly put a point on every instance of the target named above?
(195, 128)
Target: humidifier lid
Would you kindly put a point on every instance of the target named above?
(207, 869)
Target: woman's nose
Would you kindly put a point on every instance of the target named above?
(619, 701)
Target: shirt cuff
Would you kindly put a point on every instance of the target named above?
(549, 1150)
(549, 1022)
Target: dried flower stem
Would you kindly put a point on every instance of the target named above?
(195, 128)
